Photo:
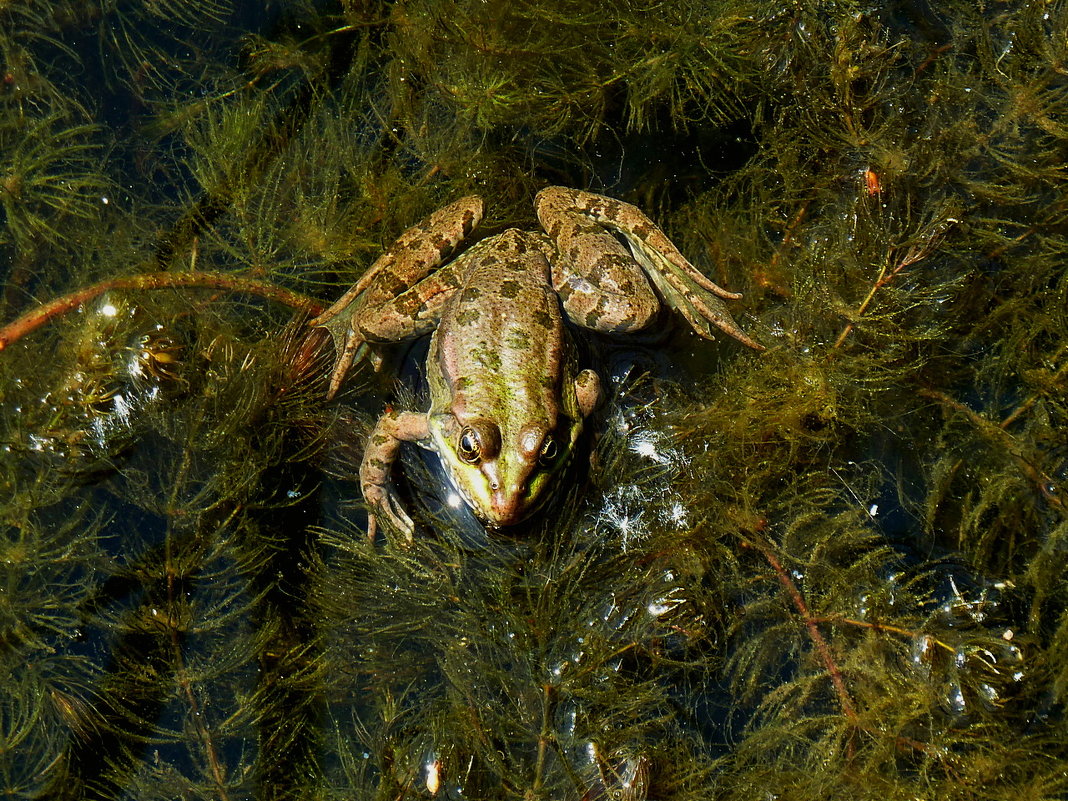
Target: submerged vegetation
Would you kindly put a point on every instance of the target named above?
(836, 569)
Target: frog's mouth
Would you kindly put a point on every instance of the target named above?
(497, 509)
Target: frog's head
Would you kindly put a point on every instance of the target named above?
(505, 470)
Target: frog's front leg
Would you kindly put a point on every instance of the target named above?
(379, 455)
(602, 283)
(395, 299)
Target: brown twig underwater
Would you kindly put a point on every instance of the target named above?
(37, 317)
(814, 633)
(826, 657)
(917, 251)
(913, 255)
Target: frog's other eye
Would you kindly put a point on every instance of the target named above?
(549, 451)
(470, 447)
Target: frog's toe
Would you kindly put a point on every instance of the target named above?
(387, 506)
(400, 521)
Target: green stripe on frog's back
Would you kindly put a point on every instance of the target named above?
(500, 341)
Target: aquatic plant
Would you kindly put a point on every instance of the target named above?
(834, 569)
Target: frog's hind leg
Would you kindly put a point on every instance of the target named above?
(597, 279)
(411, 314)
(351, 350)
(414, 255)
(683, 292)
(680, 284)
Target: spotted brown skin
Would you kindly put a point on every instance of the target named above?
(507, 400)
(615, 296)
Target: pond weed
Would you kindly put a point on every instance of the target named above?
(835, 569)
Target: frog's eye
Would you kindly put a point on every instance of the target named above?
(470, 447)
(549, 451)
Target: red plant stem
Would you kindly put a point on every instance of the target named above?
(788, 235)
(35, 318)
(822, 648)
(883, 279)
(913, 255)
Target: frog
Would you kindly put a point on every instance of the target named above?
(508, 399)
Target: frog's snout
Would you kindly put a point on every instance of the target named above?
(507, 506)
(506, 501)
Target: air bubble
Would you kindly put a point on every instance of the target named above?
(955, 699)
(921, 652)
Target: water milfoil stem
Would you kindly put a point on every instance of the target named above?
(46, 312)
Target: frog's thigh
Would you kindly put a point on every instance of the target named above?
(599, 283)
(415, 254)
(555, 205)
(411, 313)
